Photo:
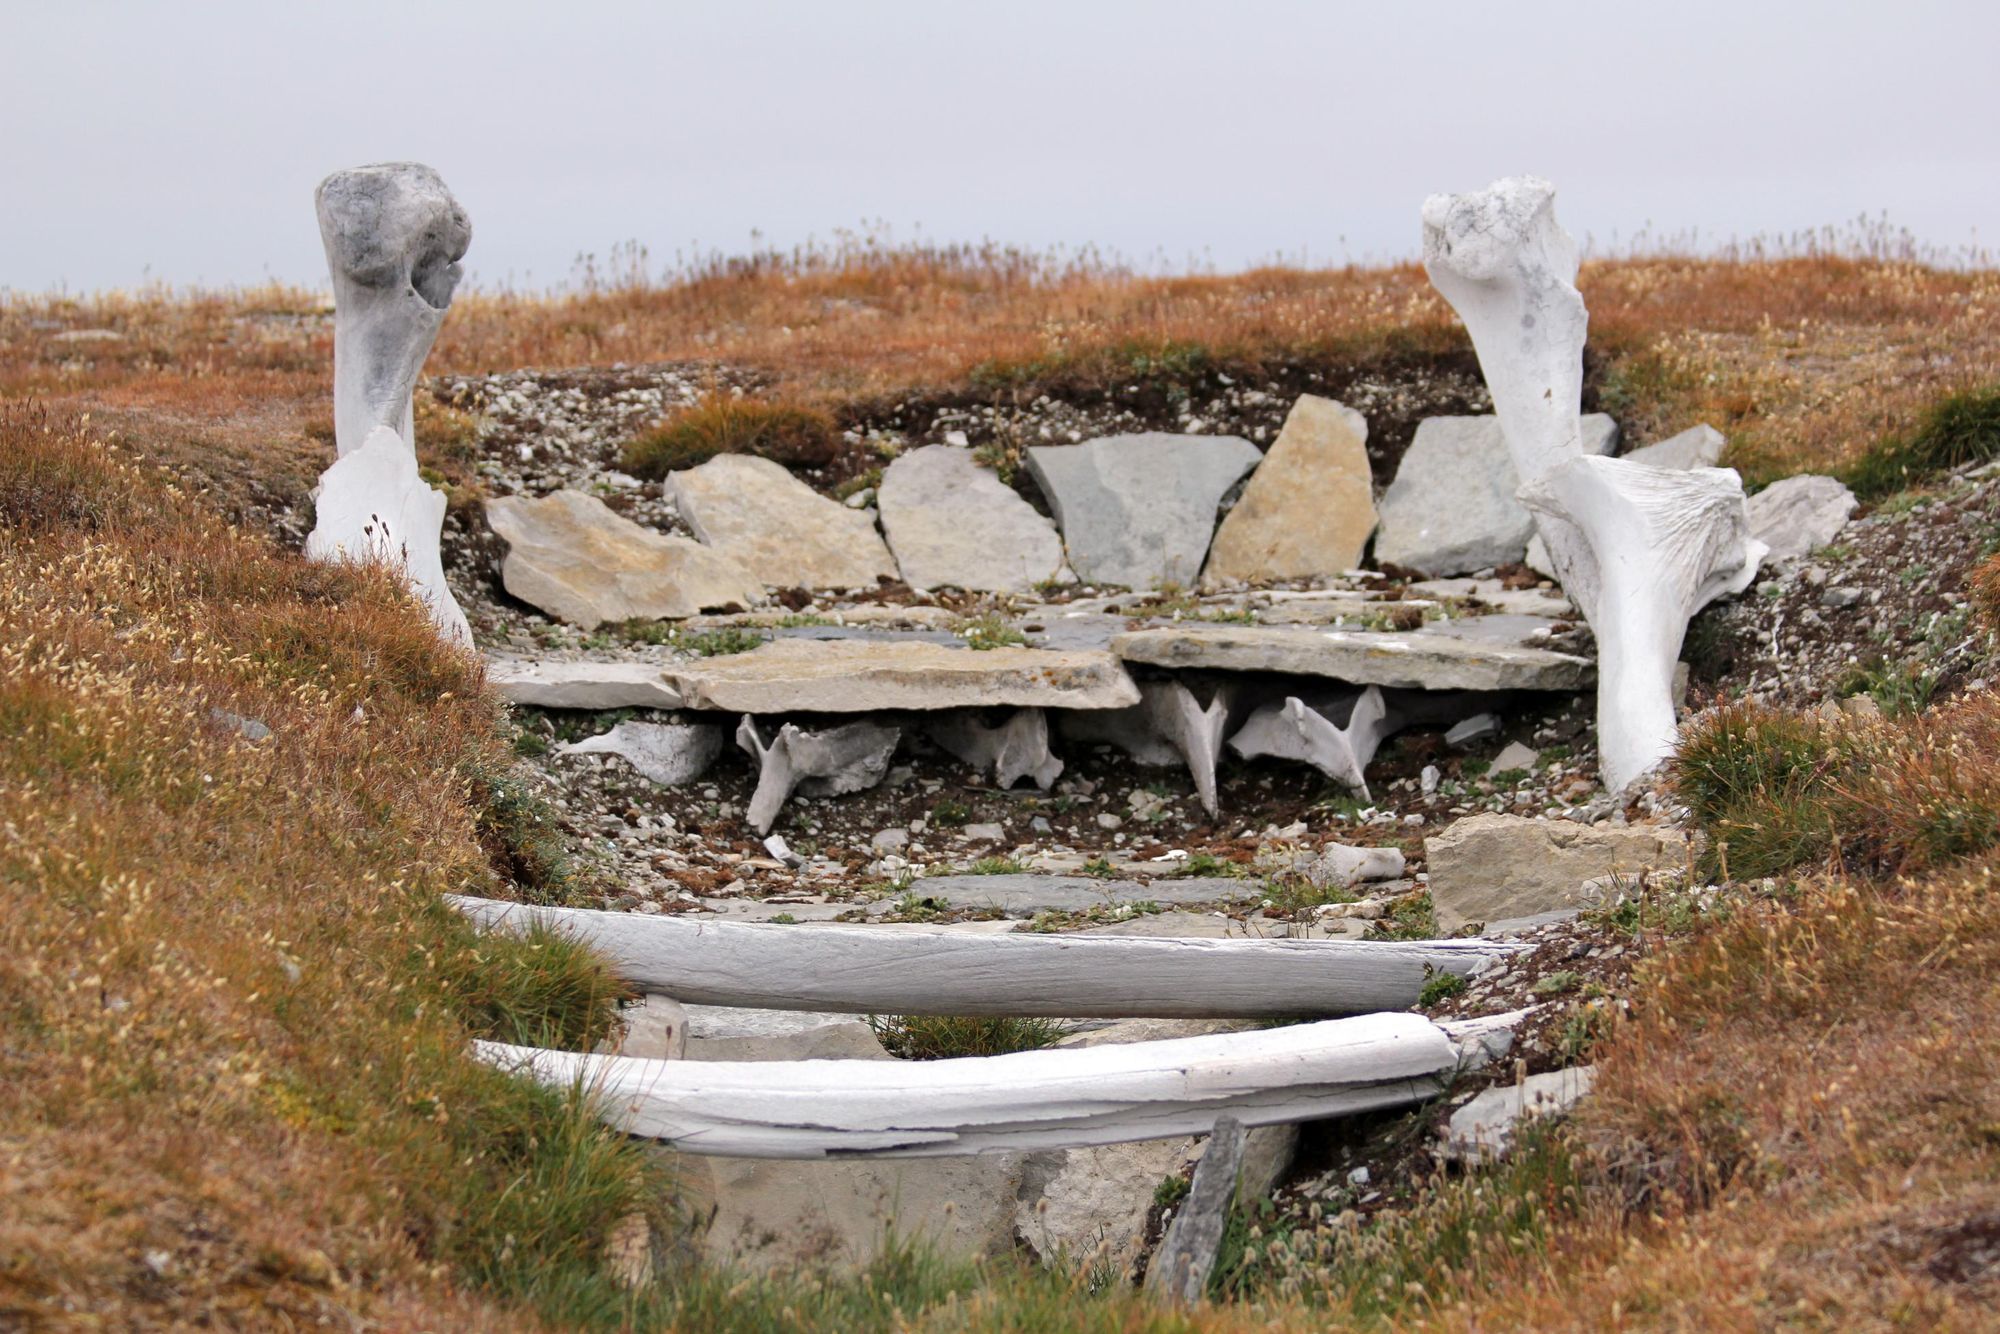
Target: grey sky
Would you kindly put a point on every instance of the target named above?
(181, 141)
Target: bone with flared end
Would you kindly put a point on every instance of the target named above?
(1509, 269)
(372, 506)
(819, 764)
(1016, 749)
(667, 753)
(1296, 730)
(1057, 1099)
(1193, 730)
(393, 236)
(1640, 550)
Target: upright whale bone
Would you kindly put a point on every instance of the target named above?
(1509, 270)
(826, 763)
(393, 236)
(1640, 550)
(371, 507)
(1297, 730)
(1017, 748)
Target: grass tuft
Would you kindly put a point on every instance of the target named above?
(1958, 429)
(798, 437)
(916, 1037)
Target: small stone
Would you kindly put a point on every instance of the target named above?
(889, 839)
(983, 833)
(1106, 820)
(1842, 598)
(1798, 515)
(1473, 730)
(1515, 756)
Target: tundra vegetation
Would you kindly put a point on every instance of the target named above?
(234, 1014)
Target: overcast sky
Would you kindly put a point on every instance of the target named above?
(181, 142)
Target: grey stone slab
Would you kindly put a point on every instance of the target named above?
(581, 683)
(1408, 659)
(1696, 447)
(954, 524)
(850, 676)
(778, 528)
(1139, 511)
(1451, 509)
(572, 556)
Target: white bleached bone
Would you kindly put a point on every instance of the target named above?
(893, 970)
(1016, 749)
(372, 507)
(1296, 730)
(1192, 729)
(818, 764)
(1640, 550)
(667, 753)
(1509, 269)
(1167, 726)
(1057, 1099)
(393, 236)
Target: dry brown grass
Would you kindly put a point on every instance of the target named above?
(1804, 362)
(234, 1086)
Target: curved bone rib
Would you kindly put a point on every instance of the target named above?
(1641, 550)
(393, 236)
(1509, 269)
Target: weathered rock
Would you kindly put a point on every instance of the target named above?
(839, 1215)
(373, 507)
(1419, 659)
(779, 529)
(667, 753)
(1451, 509)
(1798, 515)
(1483, 1129)
(573, 557)
(1340, 864)
(1138, 510)
(562, 683)
(656, 1029)
(393, 236)
(827, 763)
(1489, 867)
(1015, 749)
(856, 676)
(1308, 510)
(954, 524)
(1696, 447)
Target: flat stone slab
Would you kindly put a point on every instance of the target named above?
(1417, 659)
(954, 524)
(1139, 510)
(577, 559)
(861, 676)
(782, 531)
(556, 683)
(1026, 895)
(1451, 509)
(1309, 508)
